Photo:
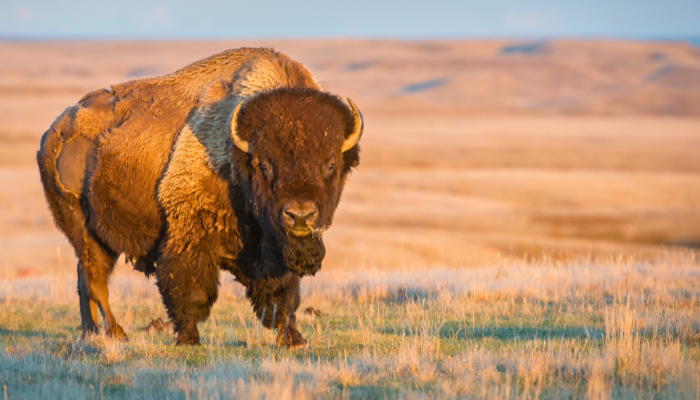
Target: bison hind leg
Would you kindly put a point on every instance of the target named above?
(88, 308)
(94, 269)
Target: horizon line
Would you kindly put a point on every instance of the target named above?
(692, 39)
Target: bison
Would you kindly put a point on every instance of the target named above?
(236, 162)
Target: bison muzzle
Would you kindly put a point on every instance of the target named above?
(236, 162)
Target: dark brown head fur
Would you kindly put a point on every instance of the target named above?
(296, 136)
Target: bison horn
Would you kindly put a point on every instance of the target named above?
(237, 141)
(352, 140)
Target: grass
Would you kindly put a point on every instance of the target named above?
(577, 329)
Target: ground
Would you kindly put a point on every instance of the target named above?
(525, 222)
(612, 328)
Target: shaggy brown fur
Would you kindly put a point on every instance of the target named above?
(152, 172)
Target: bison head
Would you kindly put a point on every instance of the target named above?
(293, 151)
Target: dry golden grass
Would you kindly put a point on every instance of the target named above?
(549, 329)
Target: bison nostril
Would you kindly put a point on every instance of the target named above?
(306, 219)
(300, 215)
(300, 218)
(311, 218)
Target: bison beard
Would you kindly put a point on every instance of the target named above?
(304, 256)
(300, 256)
(164, 171)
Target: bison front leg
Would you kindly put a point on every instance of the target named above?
(189, 284)
(275, 302)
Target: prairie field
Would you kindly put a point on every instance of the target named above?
(524, 223)
(615, 328)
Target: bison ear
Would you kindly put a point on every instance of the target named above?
(352, 140)
(233, 122)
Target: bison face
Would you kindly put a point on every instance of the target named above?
(293, 151)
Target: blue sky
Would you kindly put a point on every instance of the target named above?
(409, 19)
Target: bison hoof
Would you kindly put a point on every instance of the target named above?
(89, 329)
(291, 340)
(117, 333)
(186, 340)
(188, 336)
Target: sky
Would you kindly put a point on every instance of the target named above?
(405, 19)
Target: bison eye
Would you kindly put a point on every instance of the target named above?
(329, 167)
(266, 169)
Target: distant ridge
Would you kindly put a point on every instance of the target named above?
(659, 76)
